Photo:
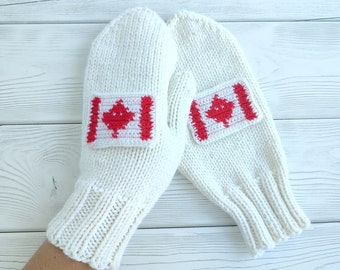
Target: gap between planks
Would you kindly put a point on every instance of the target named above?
(200, 248)
(173, 227)
(232, 10)
(79, 123)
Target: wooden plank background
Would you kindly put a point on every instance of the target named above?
(294, 50)
(38, 167)
(297, 65)
(61, 11)
(200, 248)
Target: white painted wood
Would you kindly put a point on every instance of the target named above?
(42, 68)
(41, 73)
(104, 10)
(38, 166)
(200, 248)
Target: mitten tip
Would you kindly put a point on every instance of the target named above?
(184, 15)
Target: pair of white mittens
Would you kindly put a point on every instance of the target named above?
(142, 121)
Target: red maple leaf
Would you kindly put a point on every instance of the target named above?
(221, 110)
(117, 117)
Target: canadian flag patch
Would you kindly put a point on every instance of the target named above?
(121, 121)
(221, 111)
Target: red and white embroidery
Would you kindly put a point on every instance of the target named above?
(222, 110)
(121, 121)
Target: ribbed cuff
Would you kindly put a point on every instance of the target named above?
(95, 226)
(265, 211)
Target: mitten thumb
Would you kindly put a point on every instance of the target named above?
(182, 90)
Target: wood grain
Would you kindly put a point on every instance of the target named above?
(43, 49)
(17, 11)
(38, 166)
(200, 248)
(42, 66)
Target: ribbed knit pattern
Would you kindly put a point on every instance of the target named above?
(242, 171)
(134, 56)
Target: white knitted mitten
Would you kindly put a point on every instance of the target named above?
(133, 138)
(234, 155)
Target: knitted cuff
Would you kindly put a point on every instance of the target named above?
(95, 226)
(265, 211)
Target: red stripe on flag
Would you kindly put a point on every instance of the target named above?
(145, 121)
(92, 128)
(197, 122)
(244, 101)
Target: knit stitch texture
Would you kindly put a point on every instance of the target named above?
(234, 155)
(131, 123)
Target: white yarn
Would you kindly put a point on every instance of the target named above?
(134, 56)
(241, 168)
